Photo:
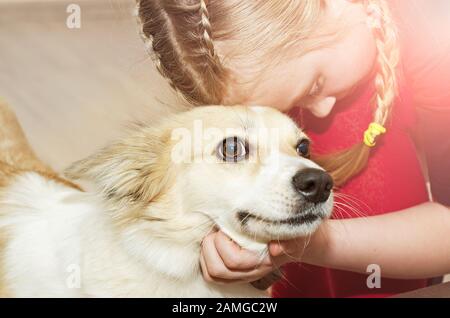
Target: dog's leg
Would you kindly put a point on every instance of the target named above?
(16, 154)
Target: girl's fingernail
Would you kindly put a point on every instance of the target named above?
(275, 250)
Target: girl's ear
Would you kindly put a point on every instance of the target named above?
(133, 171)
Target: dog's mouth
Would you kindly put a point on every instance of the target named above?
(248, 227)
(301, 219)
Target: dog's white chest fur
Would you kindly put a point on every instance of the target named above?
(61, 244)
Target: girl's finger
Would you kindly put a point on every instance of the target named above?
(236, 258)
(213, 262)
(217, 270)
(208, 277)
(275, 249)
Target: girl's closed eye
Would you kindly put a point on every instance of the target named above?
(318, 105)
(311, 92)
(317, 87)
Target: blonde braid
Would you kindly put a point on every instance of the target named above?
(214, 69)
(207, 32)
(386, 38)
(179, 36)
(349, 163)
(149, 39)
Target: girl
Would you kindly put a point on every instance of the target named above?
(335, 66)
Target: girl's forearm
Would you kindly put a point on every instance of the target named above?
(414, 243)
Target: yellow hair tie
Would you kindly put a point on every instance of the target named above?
(372, 133)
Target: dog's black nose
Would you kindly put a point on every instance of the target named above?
(314, 184)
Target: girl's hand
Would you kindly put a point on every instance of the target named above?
(223, 261)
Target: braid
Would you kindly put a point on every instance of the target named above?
(206, 26)
(349, 163)
(388, 59)
(154, 43)
(179, 37)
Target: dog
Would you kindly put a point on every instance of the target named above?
(155, 194)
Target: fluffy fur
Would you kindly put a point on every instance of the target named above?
(157, 193)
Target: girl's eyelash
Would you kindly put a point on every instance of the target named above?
(317, 87)
(315, 90)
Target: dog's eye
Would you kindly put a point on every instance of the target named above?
(303, 148)
(232, 149)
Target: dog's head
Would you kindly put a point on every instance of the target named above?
(244, 169)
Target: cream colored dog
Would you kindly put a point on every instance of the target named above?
(157, 193)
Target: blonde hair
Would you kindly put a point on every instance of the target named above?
(198, 44)
(183, 37)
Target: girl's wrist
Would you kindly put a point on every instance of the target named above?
(316, 250)
(319, 251)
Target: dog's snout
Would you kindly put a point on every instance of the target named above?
(314, 184)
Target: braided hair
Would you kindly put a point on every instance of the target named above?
(179, 36)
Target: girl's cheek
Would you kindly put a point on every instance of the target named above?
(283, 107)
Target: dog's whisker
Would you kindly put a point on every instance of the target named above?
(350, 211)
(345, 207)
(284, 278)
(353, 199)
(307, 241)
(340, 212)
(344, 213)
(347, 212)
(348, 207)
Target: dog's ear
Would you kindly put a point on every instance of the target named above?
(134, 170)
